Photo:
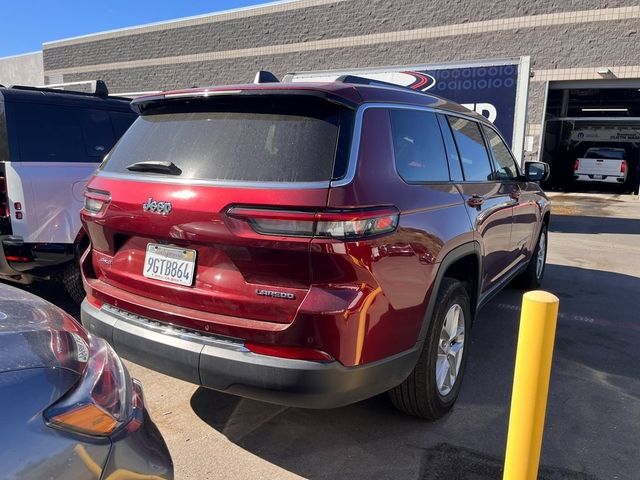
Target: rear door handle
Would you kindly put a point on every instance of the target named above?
(475, 201)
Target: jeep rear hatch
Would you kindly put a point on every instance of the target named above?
(160, 213)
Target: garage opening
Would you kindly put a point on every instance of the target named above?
(592, 136)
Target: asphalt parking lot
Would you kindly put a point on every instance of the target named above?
(592, 429)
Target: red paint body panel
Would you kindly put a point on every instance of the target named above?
(232, 260)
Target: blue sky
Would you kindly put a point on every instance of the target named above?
(27, 24)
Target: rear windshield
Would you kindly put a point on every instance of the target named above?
(275, 139)
(604, 153)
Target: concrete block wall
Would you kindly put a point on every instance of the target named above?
(574, 37)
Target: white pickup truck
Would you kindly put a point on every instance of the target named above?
(601, 164)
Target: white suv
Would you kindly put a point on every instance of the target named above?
(51, 142)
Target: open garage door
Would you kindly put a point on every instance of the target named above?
(592, 135)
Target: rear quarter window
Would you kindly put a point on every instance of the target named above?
(418, 147)
(243, 140)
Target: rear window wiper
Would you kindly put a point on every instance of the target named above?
(169, 168)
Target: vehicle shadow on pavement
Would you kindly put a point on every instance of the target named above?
(595, 391)
(594, 224)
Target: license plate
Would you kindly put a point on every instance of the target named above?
(598, 177)
(169, 264)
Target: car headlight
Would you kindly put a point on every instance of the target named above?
(101, 401)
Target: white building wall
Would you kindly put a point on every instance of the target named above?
(26, 69)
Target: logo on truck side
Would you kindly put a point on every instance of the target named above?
(274, 294)
(153, 206)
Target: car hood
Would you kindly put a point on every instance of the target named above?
(34, 333)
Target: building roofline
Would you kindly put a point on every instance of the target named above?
(250, 10)
(21, 55)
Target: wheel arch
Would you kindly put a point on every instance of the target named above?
(453, 265)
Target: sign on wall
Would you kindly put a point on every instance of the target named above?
(490, 91)
(614, 134)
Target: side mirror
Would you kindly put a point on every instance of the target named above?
(536, 171)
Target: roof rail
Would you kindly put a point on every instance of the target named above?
(354, 79)
(264, 76)
(99, 88)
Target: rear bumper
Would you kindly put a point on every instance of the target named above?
(607, 178)
(227, 366)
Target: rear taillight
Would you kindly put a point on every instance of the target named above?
(576, 165)
(17, 258)
(4, 205)
(17, 207)
(101, 401)
(623, 166)
(95, 201)
(339, 224)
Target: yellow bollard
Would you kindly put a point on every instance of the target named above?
(530, 385)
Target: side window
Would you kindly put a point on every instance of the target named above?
(48, 133)
(503, 162)
(417, 145)
(471, 148)
(452, 151)
(96, 129)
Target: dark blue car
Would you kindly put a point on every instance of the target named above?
(68, 408)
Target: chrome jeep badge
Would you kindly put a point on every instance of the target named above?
(163, 208)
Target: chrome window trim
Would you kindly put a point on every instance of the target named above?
(357, 132)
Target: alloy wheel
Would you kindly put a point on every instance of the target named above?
(450, 349)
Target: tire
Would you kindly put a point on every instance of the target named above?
(531, 278)
(72, 281)
(421, 394)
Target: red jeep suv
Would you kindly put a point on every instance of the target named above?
(308, 244)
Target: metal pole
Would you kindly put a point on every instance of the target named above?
(530, 385)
